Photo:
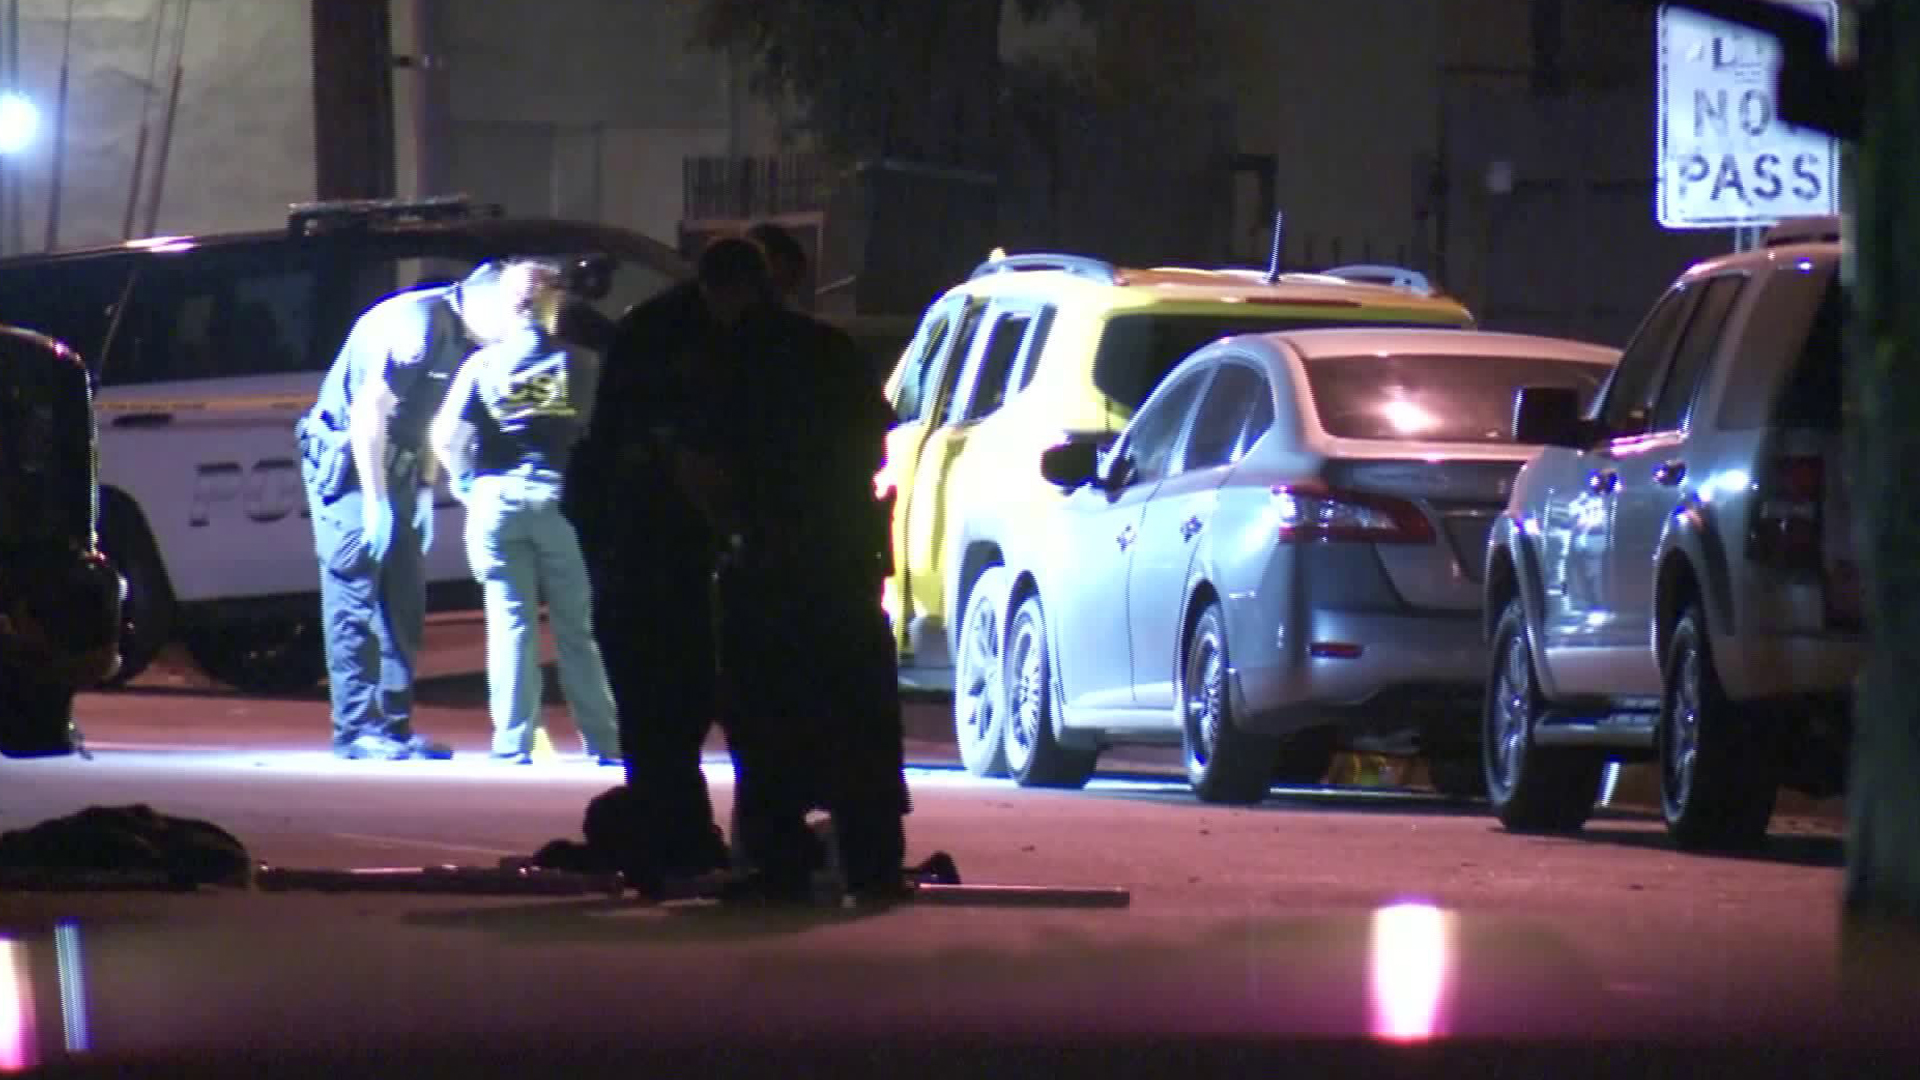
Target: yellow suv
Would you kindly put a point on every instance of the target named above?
(1037, 349)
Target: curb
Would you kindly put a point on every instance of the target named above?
(928, 718)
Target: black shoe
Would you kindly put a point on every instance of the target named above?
(609, 759)
(517, 757)
(938, 869)
(760, 890)
(881, 896)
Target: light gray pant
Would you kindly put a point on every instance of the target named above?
(523, 550)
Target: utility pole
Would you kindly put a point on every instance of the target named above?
(353, 99)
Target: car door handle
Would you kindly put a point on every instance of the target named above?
(143, 419)
(1190, 528)
(1603, 481)
(1126, 537)
(1670, 473)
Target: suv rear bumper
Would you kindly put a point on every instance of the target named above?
(1285, 686)
(1758, 667)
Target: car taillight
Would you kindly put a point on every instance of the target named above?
(1786, 525)
(1312, 512)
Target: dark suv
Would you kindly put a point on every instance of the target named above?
(206, 349)
(1674, 577)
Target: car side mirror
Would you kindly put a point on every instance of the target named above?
(1550, 416)
(590, 278)
(1070, 465)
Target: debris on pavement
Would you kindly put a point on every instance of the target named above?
(512, 877)
(122, 848)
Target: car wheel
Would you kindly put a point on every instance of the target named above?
(1034, 756)
(265, 657)
(1225, 763)
(1718, 773)
(146, 612)
(1532, 788)
(1303, 759)
(979, 683)
(1458, 778)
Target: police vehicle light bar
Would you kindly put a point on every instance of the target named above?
(1078, 265)
(306, 218)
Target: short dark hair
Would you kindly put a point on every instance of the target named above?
(733, 263)
(784, 253)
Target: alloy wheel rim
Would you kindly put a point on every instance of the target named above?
(984, 671)
(1204, 679)
(1024, 719)
(1683, 731)
(1512, 713)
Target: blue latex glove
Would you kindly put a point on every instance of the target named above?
(423, 518)
(378, 528)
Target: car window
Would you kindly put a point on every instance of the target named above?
(71, 302)
(1448, 398)
(1156, 431)
(1220, 427)
(1136, 351)
(993, 380)
(1810, 396)
(1036, 345)
(1790, 353)
(1259, 422)
(1625, 407)
(944, 368)
(916, 381)
(217, 317)
(1697, 347)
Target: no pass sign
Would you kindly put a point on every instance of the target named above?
(1725, 158)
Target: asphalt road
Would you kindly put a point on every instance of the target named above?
(1259, 918)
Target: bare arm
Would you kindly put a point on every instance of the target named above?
(452, 436)
(367, 431)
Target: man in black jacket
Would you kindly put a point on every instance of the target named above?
(811, 701)
(635, 493)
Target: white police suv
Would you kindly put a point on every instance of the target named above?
(205, 350)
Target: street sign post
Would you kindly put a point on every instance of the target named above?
(1725, 159)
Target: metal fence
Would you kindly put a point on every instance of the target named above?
(719, 187)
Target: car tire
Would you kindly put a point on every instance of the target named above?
(1461, 779)
(1719, 774)
(1035, 756)
(285, 656)
(1532, 788)
(1225, 762)
(147, 610)
(1303, 759)
(979, 677)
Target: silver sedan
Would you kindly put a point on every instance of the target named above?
(1277, 558)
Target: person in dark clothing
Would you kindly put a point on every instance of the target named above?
(650, 550)
(786, 260)
(811, 703)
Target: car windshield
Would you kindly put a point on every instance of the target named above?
(1435, 398)
(1137, 351)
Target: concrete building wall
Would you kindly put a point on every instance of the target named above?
(587, 108)
(242, 144)
(1344, 95)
